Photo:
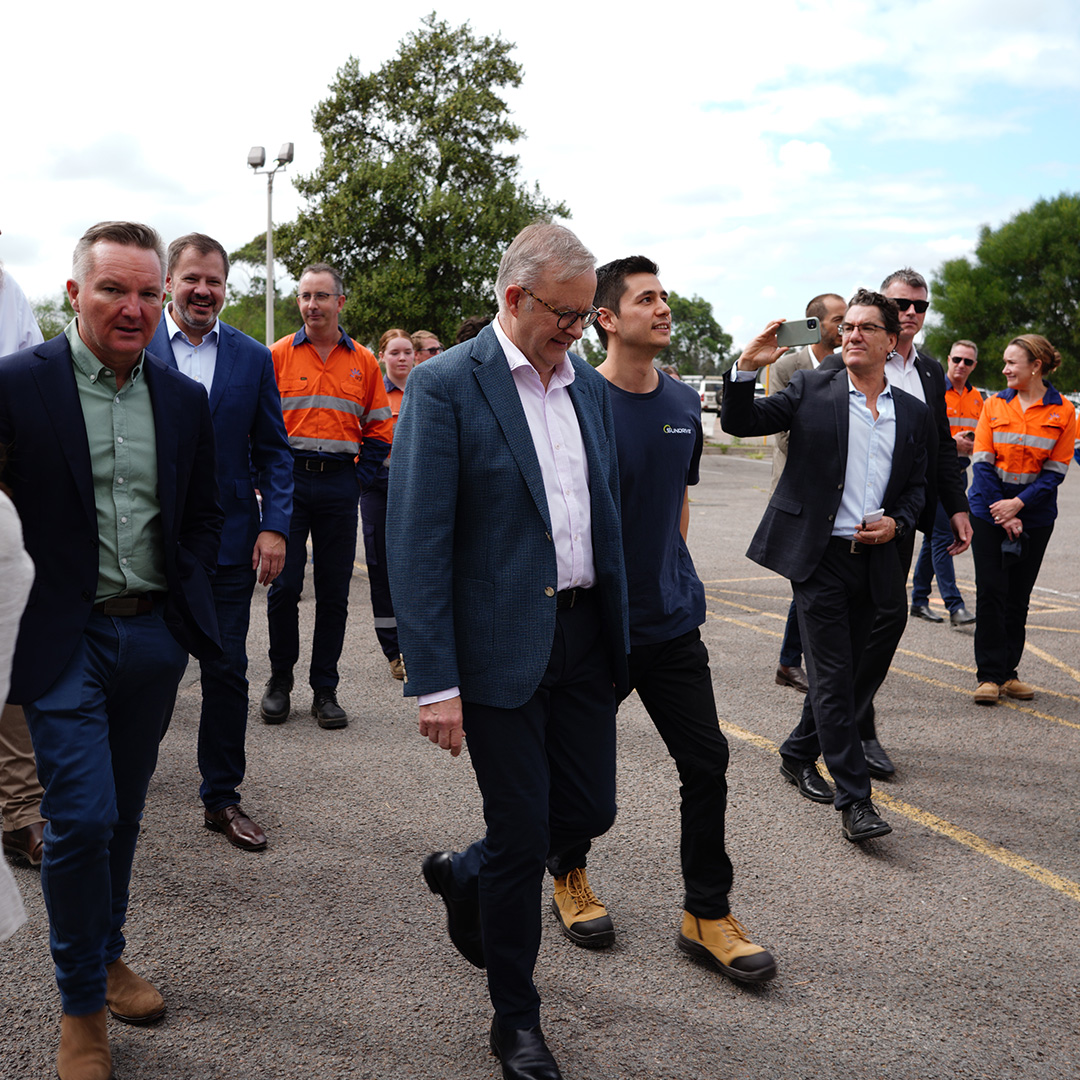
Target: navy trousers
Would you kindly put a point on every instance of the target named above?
(791, 646)
(96, 732)
(373, 513)
(547, 775)
(324, 505)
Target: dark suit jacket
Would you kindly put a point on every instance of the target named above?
(49, 472)
(471, 559)
(944, 477)
(798, 521)
(245, 407)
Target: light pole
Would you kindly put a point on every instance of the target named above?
(257, 159)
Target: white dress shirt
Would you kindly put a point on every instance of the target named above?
(18, 327)
(197, 362)
(902, 372)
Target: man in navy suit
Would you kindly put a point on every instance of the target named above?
(857, 445)
(508, 584)
(249, 433)
(111, 466)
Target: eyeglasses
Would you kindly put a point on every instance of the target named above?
(433, 349)
(920, 306)
(566, 318)
(848, 328)
(961, 360)
(321, 297)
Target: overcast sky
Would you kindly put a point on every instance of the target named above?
(761, 152)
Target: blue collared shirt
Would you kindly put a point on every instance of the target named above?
(869, 459)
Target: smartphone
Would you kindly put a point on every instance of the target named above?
(798, 332)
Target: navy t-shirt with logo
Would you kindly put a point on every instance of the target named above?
(658, 437)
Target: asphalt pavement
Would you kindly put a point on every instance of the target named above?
(949, 949)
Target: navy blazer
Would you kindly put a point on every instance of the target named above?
(49, 472)
(944, 476)
(245, 408)
(472, 564)
(798, 521)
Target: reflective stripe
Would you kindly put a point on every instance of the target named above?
(984, 457)
(320, 401)
(963, 421)
(385, 624)
(1017, 438)
(1056, 466)
(379, 414)
(1020, 479)
(329, 446)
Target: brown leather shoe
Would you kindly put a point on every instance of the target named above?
(238, 828)
(1014, 688)
(987, 693)
(794, 677)
(84, 1048)
(129, 997)
(27, 844)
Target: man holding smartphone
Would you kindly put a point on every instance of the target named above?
(963, 404)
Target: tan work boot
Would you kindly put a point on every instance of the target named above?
(1014, 688)
(130, 998)
(582, 918)
(987, 693)
(723, 943)
(84, 1048)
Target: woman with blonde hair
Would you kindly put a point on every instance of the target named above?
(1023, 444)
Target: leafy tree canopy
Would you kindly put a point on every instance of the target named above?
(53, 313)
(416, 196)
(698, 342)
(1026, 279)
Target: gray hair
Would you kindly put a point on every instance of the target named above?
(970, 344)
(125, 233)
(324, 268)
(907, 276)
(537, 248)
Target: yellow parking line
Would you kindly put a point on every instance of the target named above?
(1053, 660)
(959, 835)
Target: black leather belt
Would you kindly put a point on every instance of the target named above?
(567, 598)
(850, 547)
(124, 606)
(322, 464)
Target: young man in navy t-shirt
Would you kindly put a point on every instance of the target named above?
(659, 439)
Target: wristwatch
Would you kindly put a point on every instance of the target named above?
(901, 530)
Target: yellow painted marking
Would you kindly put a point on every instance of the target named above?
(1053, 660)
(958, 835)
(1054, 629)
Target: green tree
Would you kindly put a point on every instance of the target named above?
(53, 313)
(245, 307)
(1025, 279)
(698, 342)
(416, 196)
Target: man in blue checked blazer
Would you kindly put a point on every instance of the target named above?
(508, 584)
(857, 446)
(249, 434)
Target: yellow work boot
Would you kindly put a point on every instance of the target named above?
(130, 998)
(84, 1048)
(1014, 688)
(582, 918)
(723, 943)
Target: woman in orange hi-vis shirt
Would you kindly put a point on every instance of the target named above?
(1023, 445)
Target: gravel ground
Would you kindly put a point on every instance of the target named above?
(946, 950)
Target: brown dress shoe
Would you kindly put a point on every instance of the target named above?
(794, 677)
(129, 997)
(84, 1048)
(27, 844)
(238, 828)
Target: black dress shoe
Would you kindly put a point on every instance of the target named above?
(961, 616)
(922, 611)
(523, 1053)
(792, 676)
(275, 700)
(805, 776)
(327, 711)
(877, 761)
(462, 916)
(861, 822)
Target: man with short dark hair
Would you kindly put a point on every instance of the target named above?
(828, 309)
(963, 404)
(658, 438)
(112, 471)
(337, 416)
(249, 433)
(511, 606)
(850, 492)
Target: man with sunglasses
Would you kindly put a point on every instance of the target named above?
(426, 345)
(963, 404)
(511, 606)
(920, 375)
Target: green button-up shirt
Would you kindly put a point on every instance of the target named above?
(123, 457)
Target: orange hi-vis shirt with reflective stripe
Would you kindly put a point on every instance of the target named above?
(331, 407)
(963, 409)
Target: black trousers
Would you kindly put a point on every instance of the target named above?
(674, 682)
(1003, 595)
(837, 605)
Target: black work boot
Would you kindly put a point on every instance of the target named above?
(275, 701)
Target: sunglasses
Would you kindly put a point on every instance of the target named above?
(962, 360)
(919, 305)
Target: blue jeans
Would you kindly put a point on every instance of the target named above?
(324, 504)
(223, 723)
(934, 558)
(791, 646)
(96, 732)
